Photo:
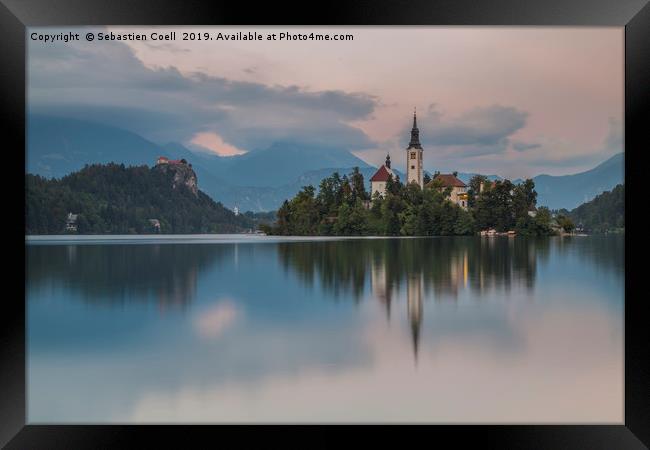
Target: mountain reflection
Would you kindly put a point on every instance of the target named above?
(165, 274)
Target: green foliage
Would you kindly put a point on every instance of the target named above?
(524, 198)
(114, 199)
(342, 208)
(358, 186)
(504, 206)
(352, 220)
(474, 189)
(565, 223)
(301, 215)
(540, 225)
(605, 213)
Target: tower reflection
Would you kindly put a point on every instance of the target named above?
(414, 307)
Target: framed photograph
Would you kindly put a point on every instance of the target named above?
(371, 213)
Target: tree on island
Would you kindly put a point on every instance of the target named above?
(341, 208)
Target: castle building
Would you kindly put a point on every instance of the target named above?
(414, 156)
(165, 160)
(379, 179)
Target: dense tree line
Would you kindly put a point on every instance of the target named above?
(114, 199)
(342, 206)
(605, 213)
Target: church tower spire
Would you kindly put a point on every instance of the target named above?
(415, 133)
(414, 164)
(387, 160)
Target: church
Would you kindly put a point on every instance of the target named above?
(414, 172)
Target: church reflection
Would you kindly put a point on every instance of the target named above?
(415, 271)
(414, 307)
(382, 290)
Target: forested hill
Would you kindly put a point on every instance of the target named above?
(114, 199)
(604, 213)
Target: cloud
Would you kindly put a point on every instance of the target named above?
(481, 140)
(553, 153)
(168, 92)
(479, 131)
(523, 146)
(214, 143)
(448, 140)
(107, 83)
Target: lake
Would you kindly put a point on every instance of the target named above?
(214, 329)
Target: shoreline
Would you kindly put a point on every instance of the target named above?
(97, 239)
(190, 239)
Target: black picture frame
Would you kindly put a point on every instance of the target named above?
(634, 15)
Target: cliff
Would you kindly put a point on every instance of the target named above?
(181, 174)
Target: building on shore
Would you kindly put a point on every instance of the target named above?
(71, 223)
(458, 188)
(155, 224)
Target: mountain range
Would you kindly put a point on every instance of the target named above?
(261, 179)
(570, 191)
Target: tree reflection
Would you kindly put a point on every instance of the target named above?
(446, 265)
(605, 252)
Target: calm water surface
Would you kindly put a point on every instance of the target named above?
(446, 330)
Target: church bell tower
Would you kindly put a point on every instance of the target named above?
(414, 156)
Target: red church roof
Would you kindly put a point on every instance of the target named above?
(381, 175)
(449, 179)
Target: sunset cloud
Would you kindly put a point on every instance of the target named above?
(108, 84)
(214, 143)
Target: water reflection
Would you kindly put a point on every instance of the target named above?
(437, 268)
(385, 269)
(439, 329)
(110, 274)
(445, 265)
